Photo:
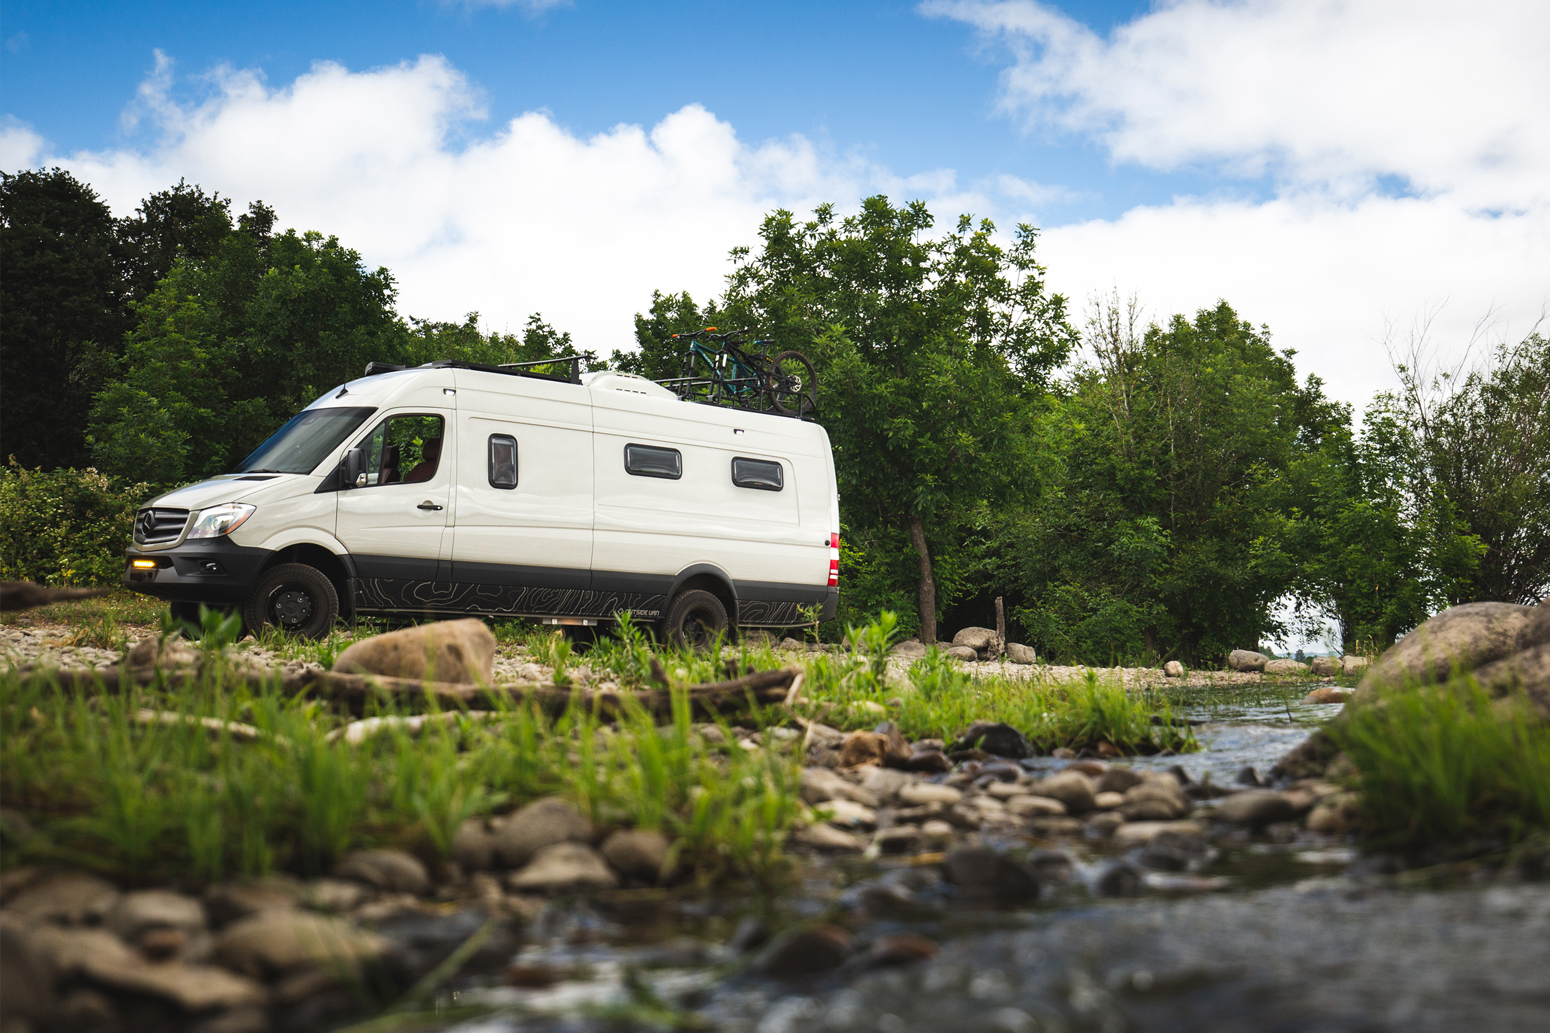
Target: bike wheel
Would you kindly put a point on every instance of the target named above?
(792, 382)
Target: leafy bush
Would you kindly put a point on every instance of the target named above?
(65, 527)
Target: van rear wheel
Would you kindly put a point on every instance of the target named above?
(296, 598)
(695, 620)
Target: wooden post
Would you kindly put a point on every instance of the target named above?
(1000, 628)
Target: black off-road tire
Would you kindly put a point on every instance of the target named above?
(296, 598)
(695, 620)
(792, 384)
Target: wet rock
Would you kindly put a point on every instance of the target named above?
(639, 853)
(928, 762)
(1054, 867)
(822, 836)
(812, 951)
(1102, 824)
(1108, 801)
(1308, 758)
(226, 902)
(1018, 653)
(820, 785)
(137, 912)
(1137, 833)
(850, 816)
(751, 934)
(1462, 637)
(1174, 851)
(893, 950)
(1247, 776)
(1325, 666)
(1118, 879)
(1117, 780)
(1173, 669)
(1071, 788)
(473, 847)
(918, 794)
(103, 958)
(542, 823)
(392, 871)
(1155, 800)
(863, 748)
(980, 871)
(1327, 694)
(26, 971)
(1335, 815)
(1247, 660)
(448, 651)
(276, 941)
(1256, 807)
(1027, 805)
(1285, 667)
(897, 840)
(564, 868)
(1001, 740)
(72, 898)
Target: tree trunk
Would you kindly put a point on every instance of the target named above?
(927, 584)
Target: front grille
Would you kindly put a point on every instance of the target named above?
(153, 526)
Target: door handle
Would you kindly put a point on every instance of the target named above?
(427, 504)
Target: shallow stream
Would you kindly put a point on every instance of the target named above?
(1282, 931)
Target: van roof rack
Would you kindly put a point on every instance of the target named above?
(511, 369)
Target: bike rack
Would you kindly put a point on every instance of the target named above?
(694, 389)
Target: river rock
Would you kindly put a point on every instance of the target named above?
(639, 853)
(884, 783)
(137, 912)
(1118, 879)
(1325, 666)
(1528, 670)
(1156, 799)
(1108, 801)
(1005, 790)
(896, 840)
(1173, 669)
(1071, 788)
(1117, 780)
(1462, 637)
(863, 748)
(26, 971)
(1139, 833)
(1247, 660)
(275, 941)
(1335, 815)
(928, 762)
(393, 871)
(910, 649)
(1018, 653)
(919, 794)
(820, 785)
(1327, 694)
(473, 847)
(226, 902)
(1000, 739)
(448, 651)
(1256, 807)
(334, 896)
(850, 816)
(896, 751)
(71, 898)
(103, 958)
(542, 823)
(977, 639)
(1101, 824)
(564, 868)
(821, 836)
(1284, 666)
(1029, 806)
(796, 953)
(980, 871)
(895, 949)
(963, 653)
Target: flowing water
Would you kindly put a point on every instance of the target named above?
(1283, 932)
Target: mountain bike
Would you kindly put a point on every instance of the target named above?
(742, 377)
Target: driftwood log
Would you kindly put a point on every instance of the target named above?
(711, 699)
(24, 595)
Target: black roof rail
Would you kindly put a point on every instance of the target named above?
(373, 368)
(513, 369)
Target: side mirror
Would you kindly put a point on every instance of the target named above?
(354, 468)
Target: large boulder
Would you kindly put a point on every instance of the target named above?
(1528, 671)
(1326, 666)
(1247, 660)
(1021, 654)
(449, 651)
(1001, 739)
(1458, 639)
(977, 639)
(1285, 666)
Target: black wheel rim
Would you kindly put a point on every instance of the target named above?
(699, 628)
(291, 607)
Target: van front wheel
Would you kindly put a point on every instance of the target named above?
(695, 620)
(296, 598)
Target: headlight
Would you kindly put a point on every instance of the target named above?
(219, 520)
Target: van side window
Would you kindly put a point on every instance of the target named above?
(648, 461)
(503, 461)
(403, 450)
(758, 473)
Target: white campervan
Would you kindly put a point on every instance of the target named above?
(453, 488)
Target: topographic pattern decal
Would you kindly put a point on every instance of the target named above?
(771, 614)
(388, 595)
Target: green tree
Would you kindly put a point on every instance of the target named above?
(64, 308)
(932, 356)
(181, 221)
(657, 355)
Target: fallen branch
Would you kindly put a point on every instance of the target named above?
(24, 595)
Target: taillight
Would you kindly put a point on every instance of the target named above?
(834, 560)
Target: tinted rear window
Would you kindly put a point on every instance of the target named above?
(650, 461)
(758, 473)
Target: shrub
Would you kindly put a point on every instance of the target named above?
(65, 527)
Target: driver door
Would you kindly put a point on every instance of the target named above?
(395, 524)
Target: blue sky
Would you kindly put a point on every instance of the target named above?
(1354, 175)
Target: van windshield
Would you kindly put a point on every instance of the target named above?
(305, 440)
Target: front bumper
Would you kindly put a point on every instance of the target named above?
(206, 570)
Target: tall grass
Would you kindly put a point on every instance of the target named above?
(1448, 763)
